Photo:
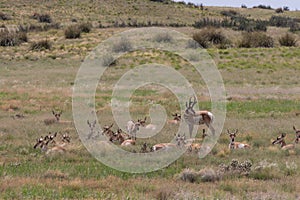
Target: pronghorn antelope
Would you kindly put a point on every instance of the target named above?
(144, 148)
(92, 126)
(236, 145)
(148, 126)
(192, 146)
(133, 127)
(281, 140)
(129, 142)
(297, 134)
(54, 119)
(43, 142)
(176, 119)
(107, 130)
(180, 141)
(59, 147)
(193, 117)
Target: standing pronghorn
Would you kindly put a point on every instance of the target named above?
(133, 127)
(92, 126)
(193, 117)
(281, 140)
(236, 145)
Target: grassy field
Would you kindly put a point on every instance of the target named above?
(262, 88)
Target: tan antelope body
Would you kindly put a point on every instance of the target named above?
(193, 117)
(162, 146)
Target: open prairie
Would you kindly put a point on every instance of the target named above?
(262, 101)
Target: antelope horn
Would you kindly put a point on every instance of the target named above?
(294, 128)
(228, 131)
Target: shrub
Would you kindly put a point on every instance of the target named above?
(229, 13)
(210, 36)
(72, 32)
(85, 27)
(163, 37)
(40, 45)
(256, 39)
(122, 46)
(44, 18)
(279, 10)
(281, 21)
(4, 16)
(12, 38)
(288, 40)
(243, 6)
(263, 7)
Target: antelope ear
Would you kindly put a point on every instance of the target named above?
(53, 112)
(88, 122)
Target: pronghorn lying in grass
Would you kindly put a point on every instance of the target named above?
(43, 142)
(193, 117)
(192, 146)
(55, 119)
(122, 138)
(236, 145)
(107, 130)
(281, 140)
(176, 119)
(59, 147)
(148, 126)
(180, 141)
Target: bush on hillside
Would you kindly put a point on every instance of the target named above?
(288, 40)
(40, 45)
(256, 39)
(211, 36)
(12, 38)
(72, 32)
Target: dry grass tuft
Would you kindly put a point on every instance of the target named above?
(55, 174)
(204, 175)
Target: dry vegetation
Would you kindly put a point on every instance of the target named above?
(37, 76)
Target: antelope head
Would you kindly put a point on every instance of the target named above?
(92, 125)
(107, 129)
(142, 121)
(190, 106)
(297, 134)
(66, 138)
(57, 114)
(232, 135)
(279, 139)
(176, 116)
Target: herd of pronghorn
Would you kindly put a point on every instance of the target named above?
(49, 142)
